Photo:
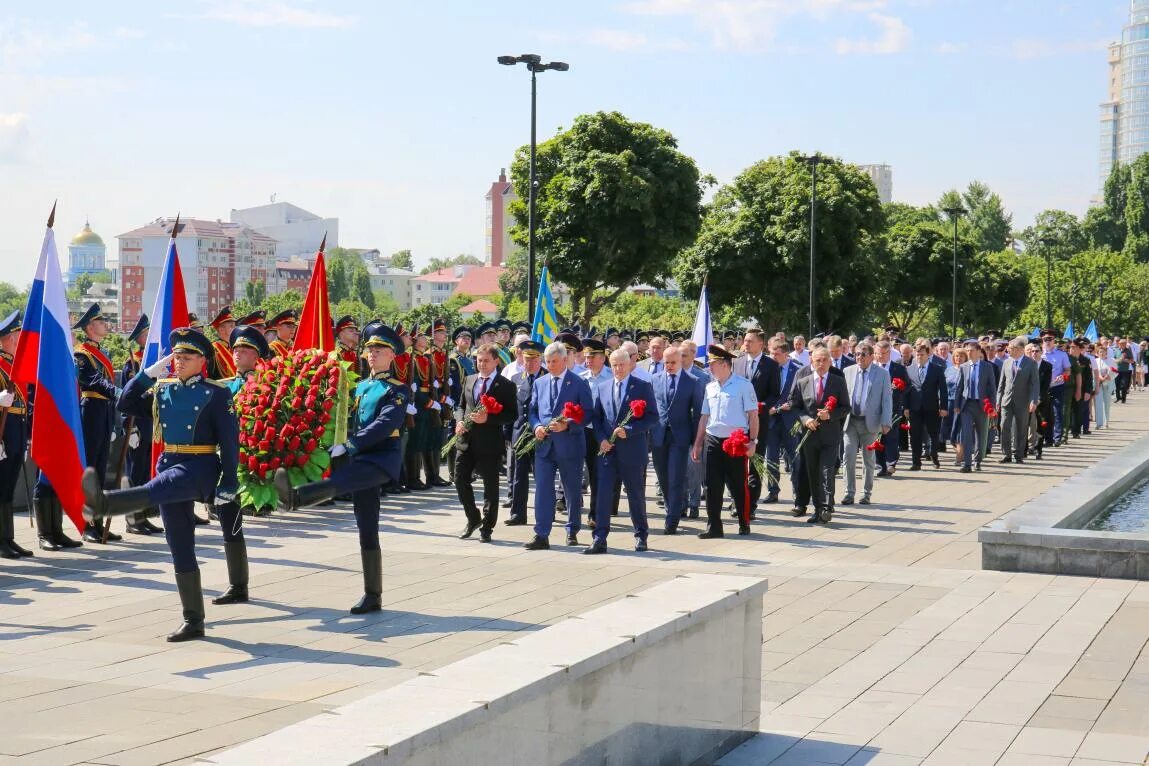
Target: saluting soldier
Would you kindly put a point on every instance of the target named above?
(14, 431)
(347, 340)
(222, 365)
(284, 324)
(196, 421)
(98, 395)
(374, 452)
(139, 450)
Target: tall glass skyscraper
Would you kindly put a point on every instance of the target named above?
(1125, 114)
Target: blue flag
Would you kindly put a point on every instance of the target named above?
(1091, 331)
(545, 326)
(1069, 331)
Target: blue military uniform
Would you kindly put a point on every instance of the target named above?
(375, 459)
(98, 395)
(458, 368)
(195, 421)
(139, 457)
(15, 441)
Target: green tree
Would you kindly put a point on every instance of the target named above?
(255, 293)
(464, 259)
(1136, 196)
(338, 281)
(272, 304)
(630, 310)
(11, 299)
(1102, 229)
(992, 292)
(1118, 308)
(402, 259)
(988, 219)
(1057, 229)
(423, 316)
(616, 201)
(754, 246)
(513, 280)
(385, 305)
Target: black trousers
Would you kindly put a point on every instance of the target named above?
(729, 473)
(1122, 384)
(924, 424)
(753, 481)
(485, 463)
(821, 462)
(520, 483)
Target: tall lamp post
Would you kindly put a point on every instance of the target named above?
(534, 66)
(1046, 245)
(812, 161)
(1101, 288)
(954, 213)
(1073, 300)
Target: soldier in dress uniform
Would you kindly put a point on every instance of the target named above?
(222, 365)
(196, 422)
(139, 449)
(503, 340)
(195, 323)
(441, 376)
(374, 453)
(402, 370)
(98, 396)
(14, 432)
(284, 324)
(248, 346)
(257, 319)
(347, 340)
(428, 426)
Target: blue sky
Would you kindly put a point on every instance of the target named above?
(395, 117)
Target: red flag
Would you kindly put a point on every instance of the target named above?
(315, 330)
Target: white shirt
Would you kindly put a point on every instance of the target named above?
(642, 374)
(752, 365)
(511, 369)
(802, 357)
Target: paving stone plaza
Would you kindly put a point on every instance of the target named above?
(884, 641)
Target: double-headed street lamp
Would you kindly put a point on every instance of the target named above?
(954, 213)
(812, 161)
(534, 65)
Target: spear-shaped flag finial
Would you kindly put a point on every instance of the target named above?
(323, 244)
(176, 226)
(52, 215)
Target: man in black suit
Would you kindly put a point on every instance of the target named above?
(524, 383)
(764, 374)
(1041, 422)
(927, 401)
(810, 398)
(481, 448)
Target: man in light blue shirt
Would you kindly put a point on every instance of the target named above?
(1059, 360)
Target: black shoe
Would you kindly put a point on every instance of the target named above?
(916, 467)
(798, 510)
(538, 544)
(883, 472)
(743, 529)
(468, 530)
(513, 522)
(189, 631)
(771, 498)
(415, 485)
(640, 546)
(20, 551)
(847, 500)
(6, 551)
(235, 594)
(865, 500)
(506, 504)
(708, 535)
(977, 466)
(437, 481)
(825, 516)
(485, 536)
(199, 520)
(370, 602)
(816, 518)
(595, 549)
(692, 513)
(660, 503)
(572, 540)
(937, 463)
(1006, 459)
(670, 529)
(154, 529)
(48, 545)
(965, 469)
(138, 529)
(1019, 461)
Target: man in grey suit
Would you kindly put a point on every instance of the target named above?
(1018, 394)
(871, 415)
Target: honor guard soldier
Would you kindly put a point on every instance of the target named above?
(374, 453)
(284, 324)
(196, 422)
(98, 395)
(195, 323)
(347, 340)
(14, 431)
(138, 455)
(441, 375)
(223, 364)
(248, 346)
(503, 339)
(427, 432)
(256, 319)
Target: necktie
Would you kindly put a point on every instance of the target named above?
(783, 378)
(753, 367)
(554, 393)
(972, 381)
(819, 392)
(859, 385)
(1016, 365)
(921, 375)
(657, 367)
(670, 394)
(617, 398)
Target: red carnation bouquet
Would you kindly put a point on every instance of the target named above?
(987, 408)
(829, 405)
(898, 384)
(636, 411)
(572, 413)
(737, 444)
(290, 411)
(487, 404)
(904, 426)
(875, 446)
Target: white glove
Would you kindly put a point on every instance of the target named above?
(436, 406)
(411, 410)
(414, 386)
(338, 449)
(435, 383)
(450, 402)
(3, 453)
(160, 367)
(6, 399)
(134, 440)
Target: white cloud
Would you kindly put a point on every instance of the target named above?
(623, 41)
(13, 137)
(894, 38)
(23, 47)
(272, 13)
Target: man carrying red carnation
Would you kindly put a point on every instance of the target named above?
(899, 382)
(488, 403)
(624, 414)
(820, 399)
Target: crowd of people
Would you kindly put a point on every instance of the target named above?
(743, 420)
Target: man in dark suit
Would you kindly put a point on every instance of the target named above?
(927, 401)
(780, 439)
(1018, 394)
(1041, 421)
(524, 383)
(679, 398)
(839, 359)
(480, 449)
(899, 382)
(623, 463)
(762, 371)
(975, 388)
(819, 454)
(561, 446)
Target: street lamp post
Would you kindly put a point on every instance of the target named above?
(812, 161)
(1073, 301)
(1046, 244)
(534, 66)
(1101, 288)
(954, 213)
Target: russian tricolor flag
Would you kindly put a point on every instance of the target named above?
(57, 439)
(171, 309)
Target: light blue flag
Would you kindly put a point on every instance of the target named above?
(1069, 331)
(1091, 331)
(545, 326)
